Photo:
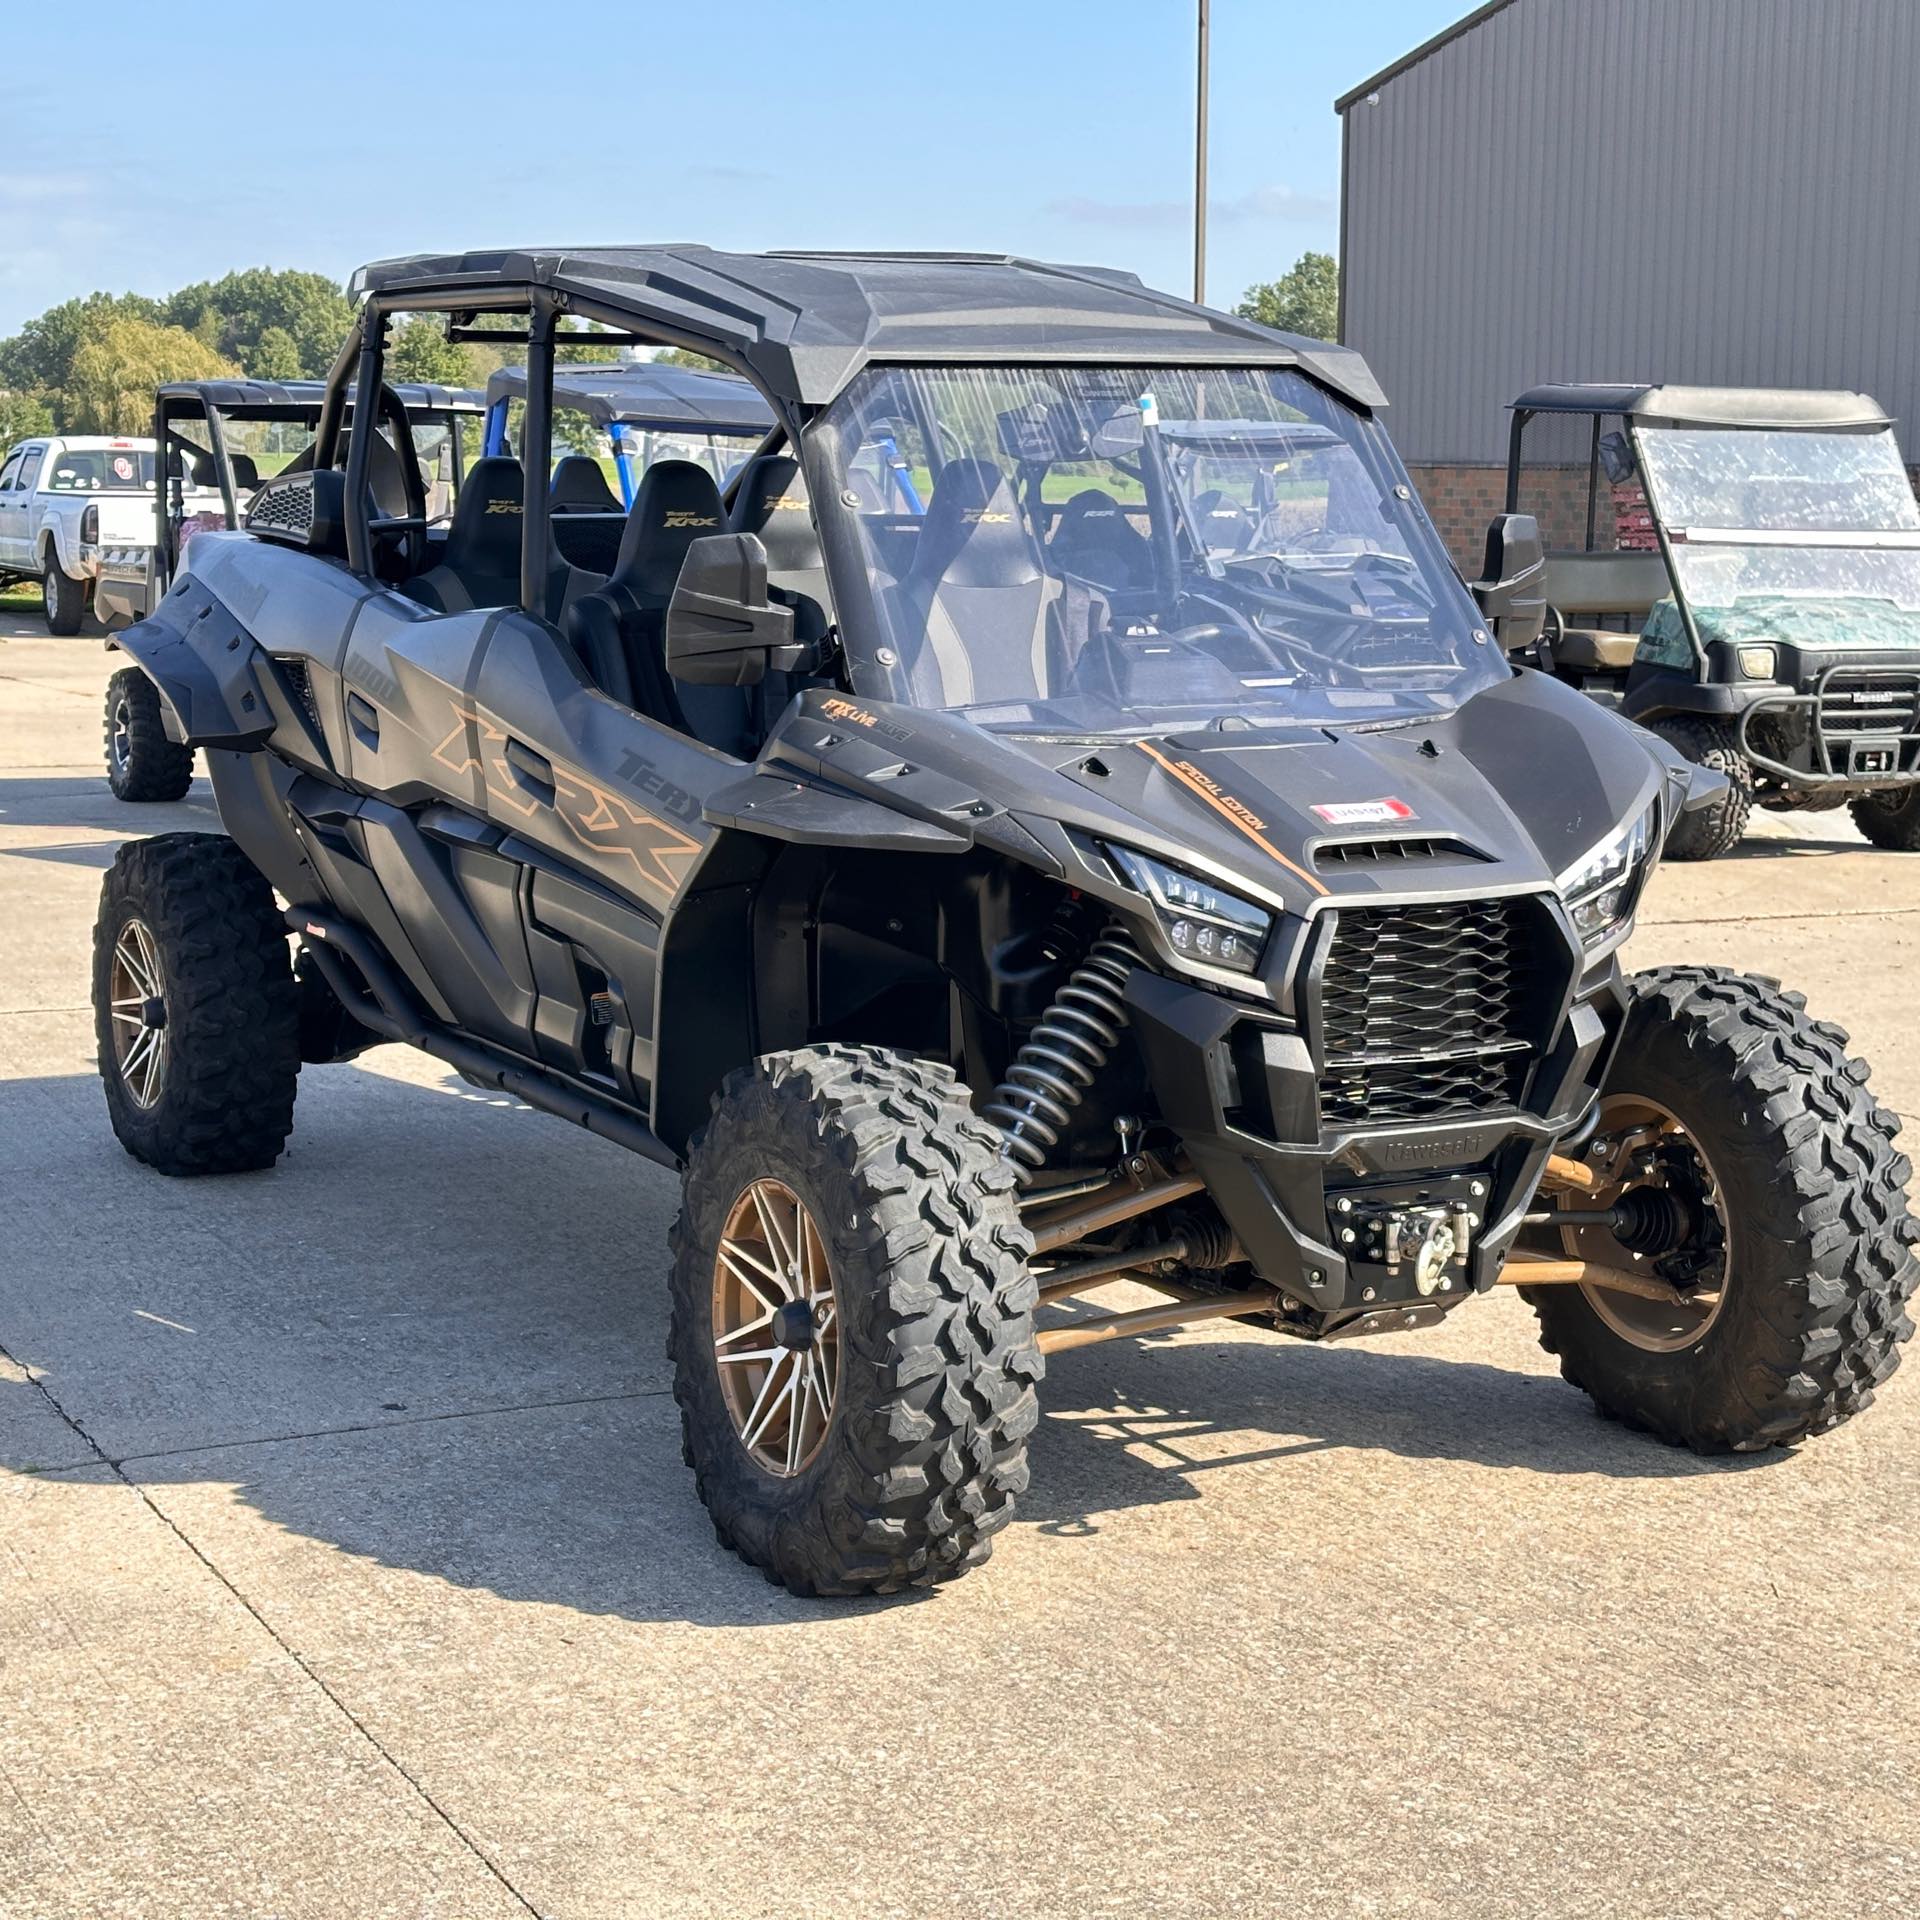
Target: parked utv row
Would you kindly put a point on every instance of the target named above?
(1056, 816)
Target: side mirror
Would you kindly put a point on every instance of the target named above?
(1511, 587)
(1616, 458)
(723, 628)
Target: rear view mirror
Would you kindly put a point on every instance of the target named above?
(723, 628)
(1511, 589)
(1616, 458)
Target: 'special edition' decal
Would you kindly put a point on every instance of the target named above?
(1229, 807)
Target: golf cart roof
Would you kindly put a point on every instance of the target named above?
(1787, 409)
(805, 323)
(636, 393)
(305, 396)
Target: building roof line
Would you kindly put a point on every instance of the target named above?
(1445, 37)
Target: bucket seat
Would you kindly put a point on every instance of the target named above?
(480, 564)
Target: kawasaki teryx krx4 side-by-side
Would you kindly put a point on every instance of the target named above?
(1058, 819)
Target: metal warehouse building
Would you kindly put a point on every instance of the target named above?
(1724, 192)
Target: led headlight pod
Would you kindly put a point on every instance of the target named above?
(1202, 922)
(1600, 888)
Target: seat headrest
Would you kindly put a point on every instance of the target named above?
(678, 503)
(772, 501)
(484, 533)
(973, 535)
(579, 486)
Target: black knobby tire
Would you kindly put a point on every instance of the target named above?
(223, 1101)
(914, 1198)
(142, 763)
(1707, 832)
(63, 598)
(1820, 1264)
(1890, 820)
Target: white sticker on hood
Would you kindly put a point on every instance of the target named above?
(1365, 813)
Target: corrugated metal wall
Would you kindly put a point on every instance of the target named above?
(1721, 191)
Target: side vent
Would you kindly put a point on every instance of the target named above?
(294, 667)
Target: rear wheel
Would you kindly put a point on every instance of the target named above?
(852, 1330)
(1704, 833)
(1767, 1176)
(194, 1007)
(1890, 820)
(63, 597)
(142, 763)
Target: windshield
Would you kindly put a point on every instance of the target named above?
(1092, 550)
(1780, 517)
(100, 470)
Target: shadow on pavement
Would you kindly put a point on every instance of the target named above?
(434, 1340)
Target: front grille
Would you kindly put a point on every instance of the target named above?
(1425, 1013)
(1862, 701)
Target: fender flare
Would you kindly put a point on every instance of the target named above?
(205, 664)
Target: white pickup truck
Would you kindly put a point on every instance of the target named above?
(65, 500)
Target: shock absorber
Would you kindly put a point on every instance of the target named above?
(1067, 1048)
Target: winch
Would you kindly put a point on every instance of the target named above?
(1409, 1240)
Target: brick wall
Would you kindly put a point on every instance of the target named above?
(1461, 500)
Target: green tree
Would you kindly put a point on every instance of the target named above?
(420, 350)
(119, 363)
(1305, 299)
(235, 315)
(41, 354)
(276, 356)
(681, 357)
(22, 416)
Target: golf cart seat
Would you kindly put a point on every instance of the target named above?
(1094, 538)
(619, 630)
(1589, 590)
(976, 598)
(588, 519)
(480, 563)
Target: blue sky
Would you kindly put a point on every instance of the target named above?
(1055, 127)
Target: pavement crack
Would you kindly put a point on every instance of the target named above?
(376, 1426)
(267, 1627)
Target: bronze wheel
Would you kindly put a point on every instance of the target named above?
(138, 1004)
(1657, 1146)
(776, 1328)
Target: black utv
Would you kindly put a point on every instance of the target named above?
(1749, 588)
(1059, 819)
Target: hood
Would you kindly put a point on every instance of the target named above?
(1497, 797)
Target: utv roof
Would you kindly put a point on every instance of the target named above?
(299, 396)
(636, 393)
(805, 323)
(1782, 408)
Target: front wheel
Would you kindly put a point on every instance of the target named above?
(142, 763)
(63, 598)
(1759, 1183)
(1704, 833)
(852, 1328)
(194, 1007)
(1890, 820)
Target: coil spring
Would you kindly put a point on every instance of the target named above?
(1067, 1048)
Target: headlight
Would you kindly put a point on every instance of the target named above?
(1202, 922)
(1601, 888)
(1757, 663)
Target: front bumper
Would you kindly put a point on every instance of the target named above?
(1241, 1086)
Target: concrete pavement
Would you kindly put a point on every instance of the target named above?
(348, 1565)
